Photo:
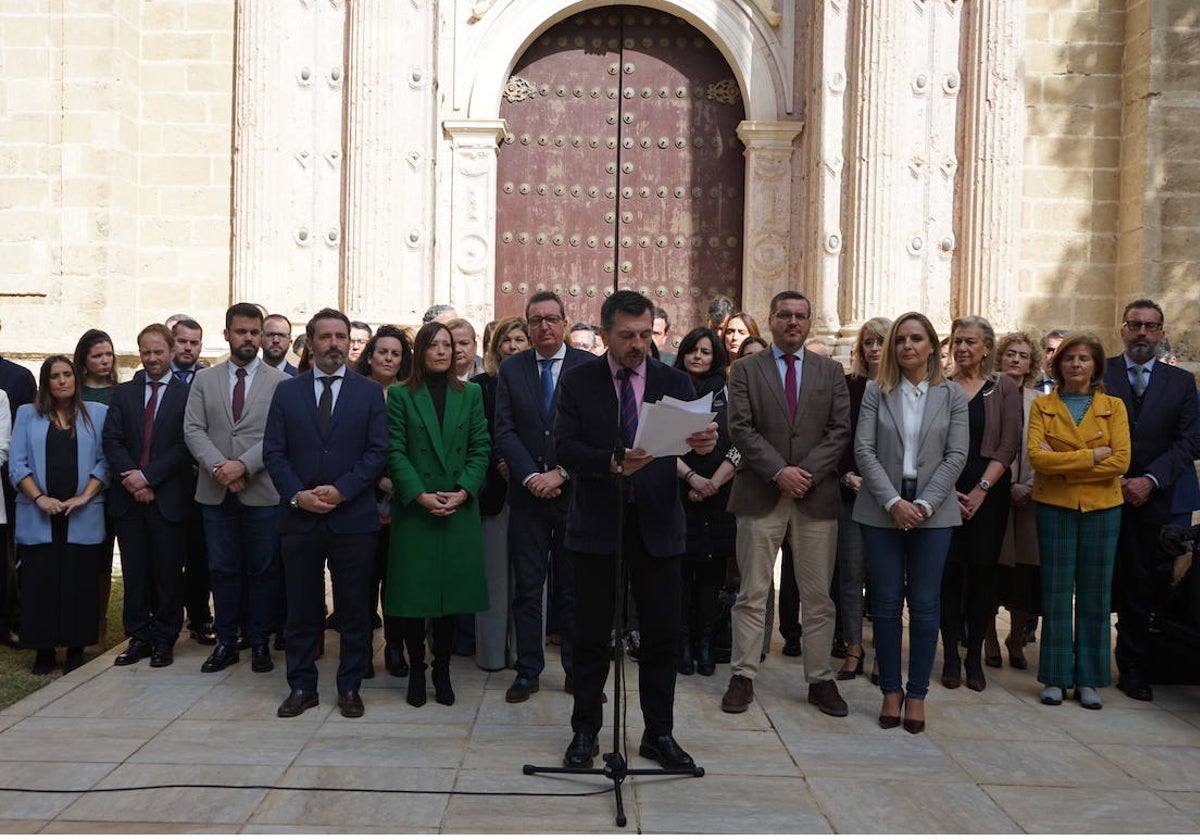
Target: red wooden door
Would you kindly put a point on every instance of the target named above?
(621, 168)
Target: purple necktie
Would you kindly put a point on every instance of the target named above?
(789, 384)
(629, 416)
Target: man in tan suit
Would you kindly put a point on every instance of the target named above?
(789, 417)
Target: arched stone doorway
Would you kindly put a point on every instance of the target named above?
(621, 167)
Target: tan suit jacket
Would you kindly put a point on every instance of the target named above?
(769, 440)
(212, 436)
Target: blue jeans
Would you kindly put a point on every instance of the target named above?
(243, 566)
(906, 565)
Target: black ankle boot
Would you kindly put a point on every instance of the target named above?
(687, 665)
(416, 685)
(706, 660)
(393, 660)
(74, 659)
(43, 663)
(443, 693)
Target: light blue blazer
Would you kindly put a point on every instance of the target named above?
(27, 456)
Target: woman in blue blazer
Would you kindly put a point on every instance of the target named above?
(57, 466)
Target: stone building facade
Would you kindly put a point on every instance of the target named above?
(1031, 160)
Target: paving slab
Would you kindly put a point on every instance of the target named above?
(1072, 810)
(865, 806)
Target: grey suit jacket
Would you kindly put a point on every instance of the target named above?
(879, 451)
(212, 436)
(769, 440)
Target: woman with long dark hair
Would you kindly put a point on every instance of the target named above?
(438, 455)
(704, 484)
(97, 366)
(58, 467)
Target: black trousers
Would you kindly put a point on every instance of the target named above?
(195, 573)
(1133, 587)
(655, 584)
(535, 546)
(350, 558)
(152, 572)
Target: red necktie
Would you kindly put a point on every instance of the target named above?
(148, 423)
(239, 394)
(789, 384)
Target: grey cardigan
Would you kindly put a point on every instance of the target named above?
(879, 451)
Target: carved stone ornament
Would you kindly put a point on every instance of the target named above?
(726, 91)
(518, 89)
(767, 7)
(479, 8)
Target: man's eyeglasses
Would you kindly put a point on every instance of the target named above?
(1148, 326)
(790, 316)
(549, 320)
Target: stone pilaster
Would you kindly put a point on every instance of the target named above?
(391, 112)
(993, 130)
(287, 160)
(767, 256)
(473, 146)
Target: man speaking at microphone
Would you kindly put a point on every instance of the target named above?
(599, 403)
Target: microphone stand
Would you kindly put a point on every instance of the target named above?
(616, 767)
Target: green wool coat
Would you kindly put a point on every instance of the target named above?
(435, 564)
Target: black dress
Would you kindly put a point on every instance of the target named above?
(60, 581)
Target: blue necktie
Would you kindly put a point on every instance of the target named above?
(1139, 380)
(629, 416)
(547, 384)
(184, 376)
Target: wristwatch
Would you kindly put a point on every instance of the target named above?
(563, 473)
(985, 485)
(296, 501)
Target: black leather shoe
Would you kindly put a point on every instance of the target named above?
(521, 688)
(581, 750)
(393, 660)
(203, 634)
(220, 659)
(350, 704)
(136, 652)
(791, 647)
(161, 656)
(1135, 687)
(280, 644)
(260, 659)
(297, 702)
(666, 752)
(243, 643)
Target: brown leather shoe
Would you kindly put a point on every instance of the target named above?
(521, 688)
(824, 695)
(738, 696)
(351, 704)
(297, 702)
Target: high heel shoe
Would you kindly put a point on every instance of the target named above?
(443, 692)
(851, 673)
(416, 685)
(911, 725)
(891, 721)
(951, 676)
(976, 682)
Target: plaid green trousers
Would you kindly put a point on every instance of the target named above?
(1077, 551)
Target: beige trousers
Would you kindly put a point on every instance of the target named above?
(814, 547)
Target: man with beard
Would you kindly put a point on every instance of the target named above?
(276, 340)
(1161, 403)
(223, 426)
(149, 497)
(325, 447)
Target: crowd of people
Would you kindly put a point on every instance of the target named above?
(465, 501)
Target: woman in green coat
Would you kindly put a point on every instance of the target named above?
(437, 458)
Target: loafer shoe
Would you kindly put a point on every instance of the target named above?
(221, 658)
(824, 695)
(666, 752)
(1135, 687)
(136, 652)
(738, 696)
(260, 659)
(1052, 695)
(297, 702)
(203, 634)
(521, 689)
(1088, 697)
(161, 656)
(350, 704)
(580, 751)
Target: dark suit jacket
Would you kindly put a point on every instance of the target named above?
(1162, 431)
(169, 471)
(770, 440)
(18, 383)
(351, 455)
(524, 431)
(586, 432)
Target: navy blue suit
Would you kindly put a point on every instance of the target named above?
(351, 456)
(586, 432)
(151, 535)
(1163, 428)
(536, 527)
(19, 385)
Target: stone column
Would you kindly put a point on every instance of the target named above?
(473, 146)
(993, 127)
(767, 255)
(390, 120)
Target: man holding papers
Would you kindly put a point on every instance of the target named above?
(599, 405)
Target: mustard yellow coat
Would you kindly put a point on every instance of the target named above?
(1067, 477)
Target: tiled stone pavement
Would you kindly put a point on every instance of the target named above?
(994, 762)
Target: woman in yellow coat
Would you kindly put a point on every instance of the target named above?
(437, 457)
(1078, 446)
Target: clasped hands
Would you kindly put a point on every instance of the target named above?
(52, 506)
(136, 485)
(442, 502)
(794, 482)
(320, 499)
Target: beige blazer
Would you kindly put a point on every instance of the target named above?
(769, 440)
(212, 436)
(879, 452)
